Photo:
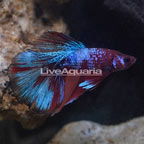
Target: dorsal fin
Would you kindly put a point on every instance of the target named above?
(54, 41)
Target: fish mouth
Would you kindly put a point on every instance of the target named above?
(133, 60)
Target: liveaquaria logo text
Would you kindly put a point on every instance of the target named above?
(70, 72)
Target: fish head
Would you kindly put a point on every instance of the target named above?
(122, 61)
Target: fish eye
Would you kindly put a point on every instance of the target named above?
(126, 59)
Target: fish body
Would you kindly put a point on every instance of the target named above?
(56, 52)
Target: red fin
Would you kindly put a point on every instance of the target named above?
(54, 37)
(70, 86)
(80, 90)
(51, 41)
(73, 89)
(16, 69)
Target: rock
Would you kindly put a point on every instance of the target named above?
(19, 26)
(86, 132)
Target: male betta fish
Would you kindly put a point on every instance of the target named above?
(53, 50)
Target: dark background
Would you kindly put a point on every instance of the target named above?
(114, 24)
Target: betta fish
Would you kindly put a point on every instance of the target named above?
(56, 51)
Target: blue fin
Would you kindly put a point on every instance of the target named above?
(56, 46)
(24, 72)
